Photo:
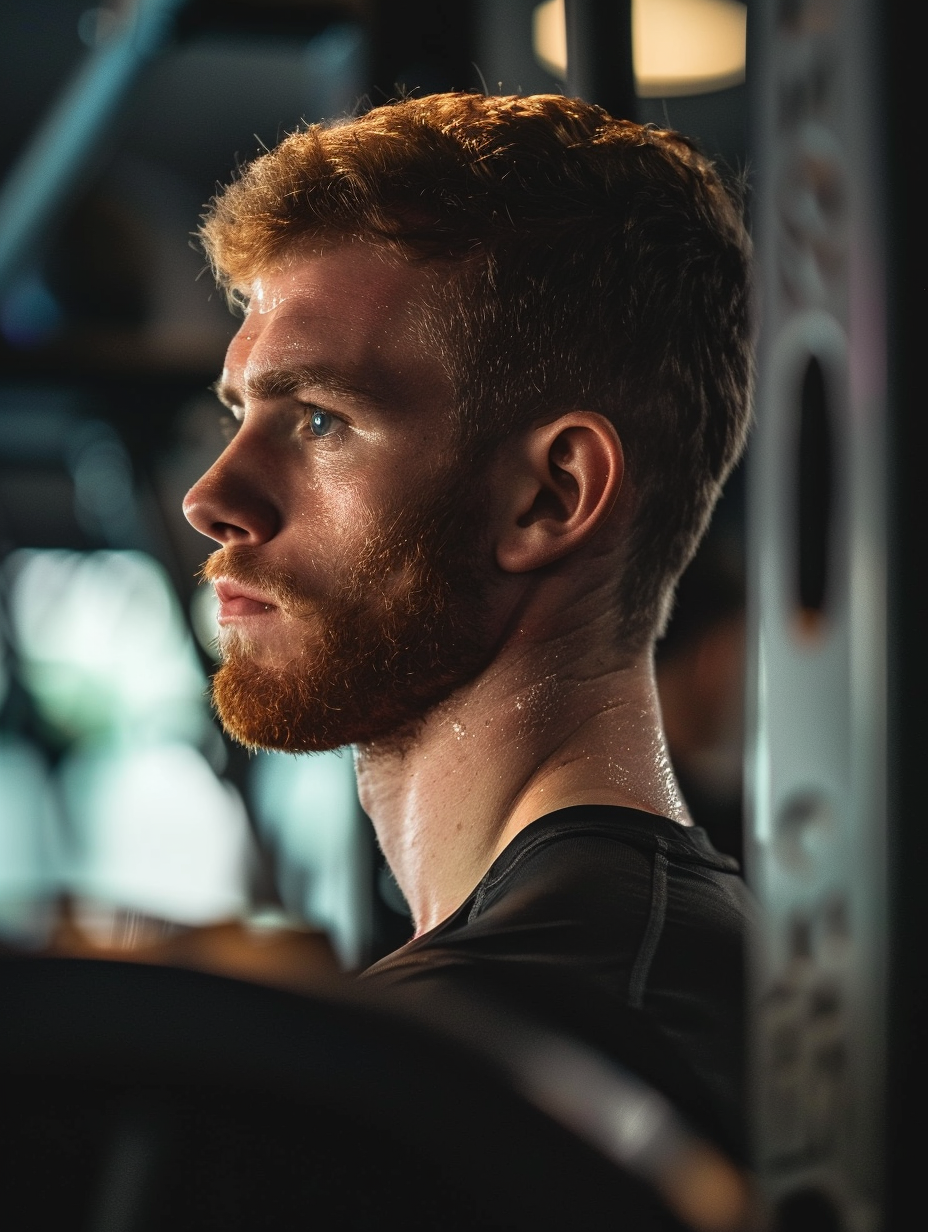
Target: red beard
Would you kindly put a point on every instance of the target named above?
(385, 642)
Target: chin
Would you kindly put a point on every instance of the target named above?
(237, 648)
(287, 711)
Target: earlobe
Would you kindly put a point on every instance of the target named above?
(568, 474)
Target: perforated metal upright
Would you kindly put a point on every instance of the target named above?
(818, 794)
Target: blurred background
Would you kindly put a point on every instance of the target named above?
(119, 795)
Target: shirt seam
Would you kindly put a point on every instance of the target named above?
(653, 929)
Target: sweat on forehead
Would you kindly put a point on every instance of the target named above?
(266, 286)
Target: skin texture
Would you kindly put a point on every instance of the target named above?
(558, 714)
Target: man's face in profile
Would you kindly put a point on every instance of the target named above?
(351, 575)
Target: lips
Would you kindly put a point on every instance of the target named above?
(236, 601)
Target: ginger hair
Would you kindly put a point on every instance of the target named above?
(581, 262)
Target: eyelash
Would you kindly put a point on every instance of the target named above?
(229, 424)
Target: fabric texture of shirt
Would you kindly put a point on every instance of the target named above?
(621, 927)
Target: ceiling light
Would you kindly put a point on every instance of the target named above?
(679, 46)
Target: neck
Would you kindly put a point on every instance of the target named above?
(546, 726)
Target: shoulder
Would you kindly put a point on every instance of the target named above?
(585, 882)
(576, 861)
(594, 914)
(585, 849)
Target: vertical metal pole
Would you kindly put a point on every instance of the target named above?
(818, 557)
(600, 67)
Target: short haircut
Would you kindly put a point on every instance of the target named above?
(600, 265)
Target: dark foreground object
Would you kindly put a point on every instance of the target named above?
(141, 1098)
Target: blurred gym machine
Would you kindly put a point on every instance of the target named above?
(140, 1098)
(838, 665)
(68, 146)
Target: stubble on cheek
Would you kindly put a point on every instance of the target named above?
(390, 638)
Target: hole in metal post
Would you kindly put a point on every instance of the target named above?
(815, 484)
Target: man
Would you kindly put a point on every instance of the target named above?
(493, 371)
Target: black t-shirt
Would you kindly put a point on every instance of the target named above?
(623, 927)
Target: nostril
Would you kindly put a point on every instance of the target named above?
(246, 519)
(228, 532)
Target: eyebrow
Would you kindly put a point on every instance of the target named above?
(283, 382)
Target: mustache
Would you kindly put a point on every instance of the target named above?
(242, 565)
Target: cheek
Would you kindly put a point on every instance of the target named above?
(332, 520)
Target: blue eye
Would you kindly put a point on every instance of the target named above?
(321, 423)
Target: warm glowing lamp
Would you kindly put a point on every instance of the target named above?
(679, 46)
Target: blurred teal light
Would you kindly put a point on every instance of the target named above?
(102, 645)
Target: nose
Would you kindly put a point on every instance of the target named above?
(230, 503)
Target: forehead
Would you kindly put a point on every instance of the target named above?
(349, 272)
(354, 306)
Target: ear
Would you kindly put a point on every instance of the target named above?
(558, 483)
